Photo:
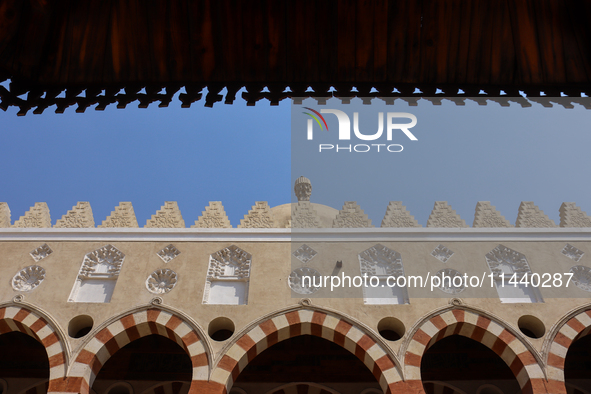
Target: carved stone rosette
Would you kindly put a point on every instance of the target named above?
(300, 286)
(161, 281)
(447, 284)
(582, 277)
(28, 278)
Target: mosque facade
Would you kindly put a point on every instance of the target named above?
(167, 308)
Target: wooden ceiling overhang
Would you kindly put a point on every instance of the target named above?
(103, 52)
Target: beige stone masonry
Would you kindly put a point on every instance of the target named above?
(303, 215)
(169, 216)
(530, 215)
(260, 216)
(487, 216)
(122, 216)
(398, 216)
(444, 216)
(214, 216)
(36, 217)
(351, 216)
(4, 215)
(80, 216)
(572, 216)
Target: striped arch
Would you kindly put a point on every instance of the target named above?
(304, 322)
(482, 329)
(576, 327)
(30, 322)
(129, 328)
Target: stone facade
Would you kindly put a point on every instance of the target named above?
(189, 285)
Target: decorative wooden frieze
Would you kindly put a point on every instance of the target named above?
(80, 216)
(122, 216)
(36, 217)
(530, 215)
(260, 216)
(351, 216)
(169, 216)
(444, 216)
(214, 216)
(572, 216)
(398, 216)
(487, 216)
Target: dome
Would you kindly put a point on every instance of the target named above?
(326, 214)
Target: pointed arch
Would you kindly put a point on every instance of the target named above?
(575, 325)
(40, 326)
(483, 329)
(307, 321)
(107, 340)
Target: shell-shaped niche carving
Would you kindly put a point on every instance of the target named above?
(505, 262)
(228, 277)
(161, 281)
(28, 278)
(98, 275)
(382, 262)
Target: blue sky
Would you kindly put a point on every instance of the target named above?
(464, 154)
(238, 155)
(230, 153)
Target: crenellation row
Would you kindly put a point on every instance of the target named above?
(303, 215)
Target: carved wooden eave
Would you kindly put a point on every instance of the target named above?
(95, 53)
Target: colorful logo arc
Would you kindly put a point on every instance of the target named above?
(315, 118)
